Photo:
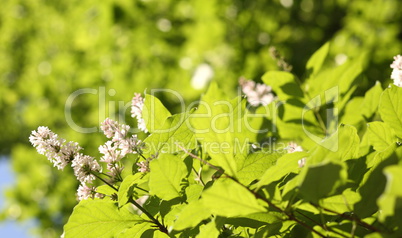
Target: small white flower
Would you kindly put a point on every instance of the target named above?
(115, 170)
(143, 166)
(396, 74)
(84, 166)
(54, 148)
(301, 162)
(137, 105)
(110, 152)
(129, 145)
(293, 147)
(84, 192)
(114, 150)
(112, 129)
(256, 93)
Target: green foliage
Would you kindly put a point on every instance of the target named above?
(153, 106)
(96, 218)
(332, 189)
(168, 176)
(49, 50)
(229, 199)
(391, 110)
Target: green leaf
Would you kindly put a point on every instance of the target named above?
(154, 113)
(105, 189)
(136, 231)
(321, 180)
(256, 220)
(229, 199)
(285, 165)
(126, 189)
(378, 235)
(209, 230)
(166, 176)
(316, 61)
(390, 202)
(284, 84)
(269, 230)
(172, 137)
(341, 203)
(371, 100)
(99, 219)
(343, 80)
(191, 215)
(342, 145)
(142, 230)
(193, 192)
(373, 183)
(381, 136)
(391, 108)
(352, 113)
(220, 128)
(255, 165)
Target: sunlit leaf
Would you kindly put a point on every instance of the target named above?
(380, 135)
(154, 113)
(126, 189)
(284, 165)
(321, 180)
(175, 135)
(391, 108)
(390, 202)
(373, 183)
(168, 172)
(371, 100)
(316, 61)
(255, 165)
(99, 218)
(187, 218)
(227, 198)
(284, 84)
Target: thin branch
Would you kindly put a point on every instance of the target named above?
(161, 227)
(258, 196)
(131, 200)
(321, 225)
(198, 158)
(199, 178)
(106, 182)
(353, 218)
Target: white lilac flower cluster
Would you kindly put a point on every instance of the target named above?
(119, 146)
(84, 192)
(54, 148)
(293, 147)
(61, 153)
(137, 105)
(256, 93)
(143, 166)
(86, 168)
(396, 74)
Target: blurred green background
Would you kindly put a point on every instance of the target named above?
(50, 49)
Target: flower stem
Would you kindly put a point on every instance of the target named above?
(290, 215)
(106, 182)
(131, 200)
(161, 227)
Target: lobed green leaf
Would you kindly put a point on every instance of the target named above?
(166, 177)
(99, 219)
(391, 108)
(230, 199)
